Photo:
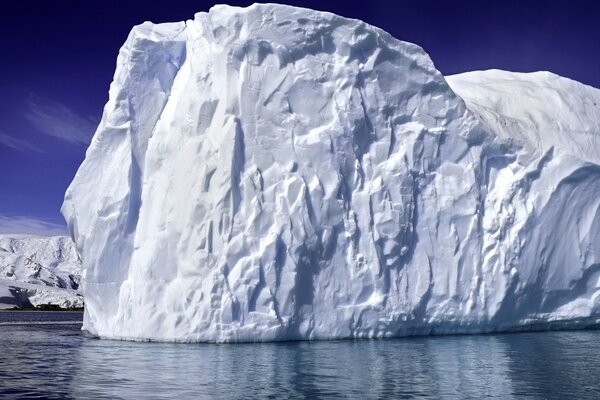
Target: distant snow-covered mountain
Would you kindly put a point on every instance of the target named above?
(37, 271)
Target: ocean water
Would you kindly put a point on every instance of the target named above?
(45, 355)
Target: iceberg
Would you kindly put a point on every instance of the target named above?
(277, 173)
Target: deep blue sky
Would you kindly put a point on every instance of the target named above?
(58, 57)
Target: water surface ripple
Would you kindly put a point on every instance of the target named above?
(54, 360)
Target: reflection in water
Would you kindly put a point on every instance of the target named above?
(567, 363)
(457, 366)
(42, 359)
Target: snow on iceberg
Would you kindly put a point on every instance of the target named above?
(274, 173)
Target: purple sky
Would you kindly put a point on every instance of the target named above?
(58, 58)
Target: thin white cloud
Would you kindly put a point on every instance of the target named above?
(18, 144)
(22, 225)
(55, 119)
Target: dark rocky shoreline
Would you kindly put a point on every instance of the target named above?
(45, 307)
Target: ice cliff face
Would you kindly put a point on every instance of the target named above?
(37, 271)
(275, 173)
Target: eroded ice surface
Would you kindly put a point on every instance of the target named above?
(276, 173)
